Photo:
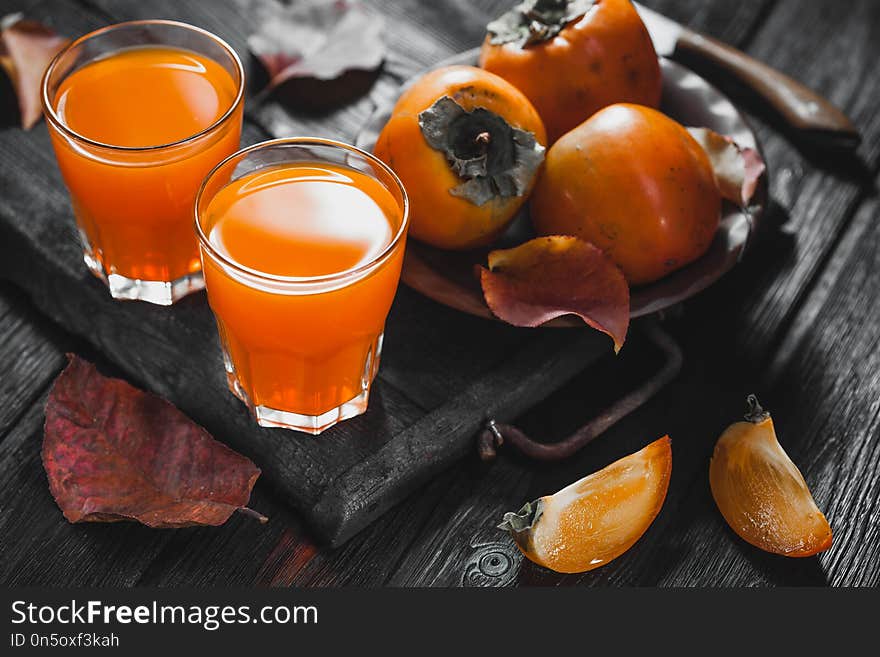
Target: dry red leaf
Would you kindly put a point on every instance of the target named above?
(26, 48)
(547, 277)
(314, 42)
(113, 452)
(737, 169)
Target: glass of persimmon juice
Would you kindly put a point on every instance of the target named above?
(302, 243)
(138, 114)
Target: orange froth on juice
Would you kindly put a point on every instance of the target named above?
(308, 220)
(303, 352)
(135, 207)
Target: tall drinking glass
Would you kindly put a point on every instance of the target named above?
(302, 242)
(138, 114)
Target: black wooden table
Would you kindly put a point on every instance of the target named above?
(798, 323)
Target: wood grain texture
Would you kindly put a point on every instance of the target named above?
(749, 310)
(795, 323)
(732, 333)
(46, 549)
(424, 533)
(460, 545)
(351, 474)
(41, 548)
(826, 409)
(29, 353)
(816, 193)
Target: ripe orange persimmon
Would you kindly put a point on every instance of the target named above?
(467, 146)
(636, 184)
(572, 58)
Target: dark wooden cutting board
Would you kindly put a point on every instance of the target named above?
(442, 374)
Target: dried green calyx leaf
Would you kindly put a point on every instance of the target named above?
(524, 519)
(535, 21)
(492, 158)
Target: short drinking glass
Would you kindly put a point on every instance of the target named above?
(302, 243)
(138, 114)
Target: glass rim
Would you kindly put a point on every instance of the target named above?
(55, 120)
(303, 280)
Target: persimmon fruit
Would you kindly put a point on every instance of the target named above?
(636, 184)
(468, 146)
(574, 57)
(761, 493)
(597, 518)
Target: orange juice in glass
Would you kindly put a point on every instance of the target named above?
(138, 114)
(302, 242)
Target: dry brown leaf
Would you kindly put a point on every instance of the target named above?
(547, 277)
(113, 452)
(737, 169)
(26, 48)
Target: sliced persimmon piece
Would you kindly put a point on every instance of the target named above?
(597, 518)
(761, 493)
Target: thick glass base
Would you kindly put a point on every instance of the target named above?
(312, 424)
(163, 293)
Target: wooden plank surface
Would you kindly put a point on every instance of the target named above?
(796, 323)
(826, 409)
(752, 311)
(430, 398)
(30, 353)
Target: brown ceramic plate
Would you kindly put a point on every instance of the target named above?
(448, 277)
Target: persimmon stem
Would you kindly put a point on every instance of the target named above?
(534, 21)
(756, 414)
(538, 30)
(484, 138)
(256, 515)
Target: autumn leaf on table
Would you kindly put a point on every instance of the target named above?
(737, 169)
(113, 452)
(548, 277)
(26, 48)
(322, 52)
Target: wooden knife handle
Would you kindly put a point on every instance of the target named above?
(801, 107)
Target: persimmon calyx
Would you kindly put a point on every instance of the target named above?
(524, 519)
(521, 524)
(492, 158)
(535, 21)
(756, 413)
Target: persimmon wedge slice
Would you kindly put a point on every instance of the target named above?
(597, 518)
(761, 493)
